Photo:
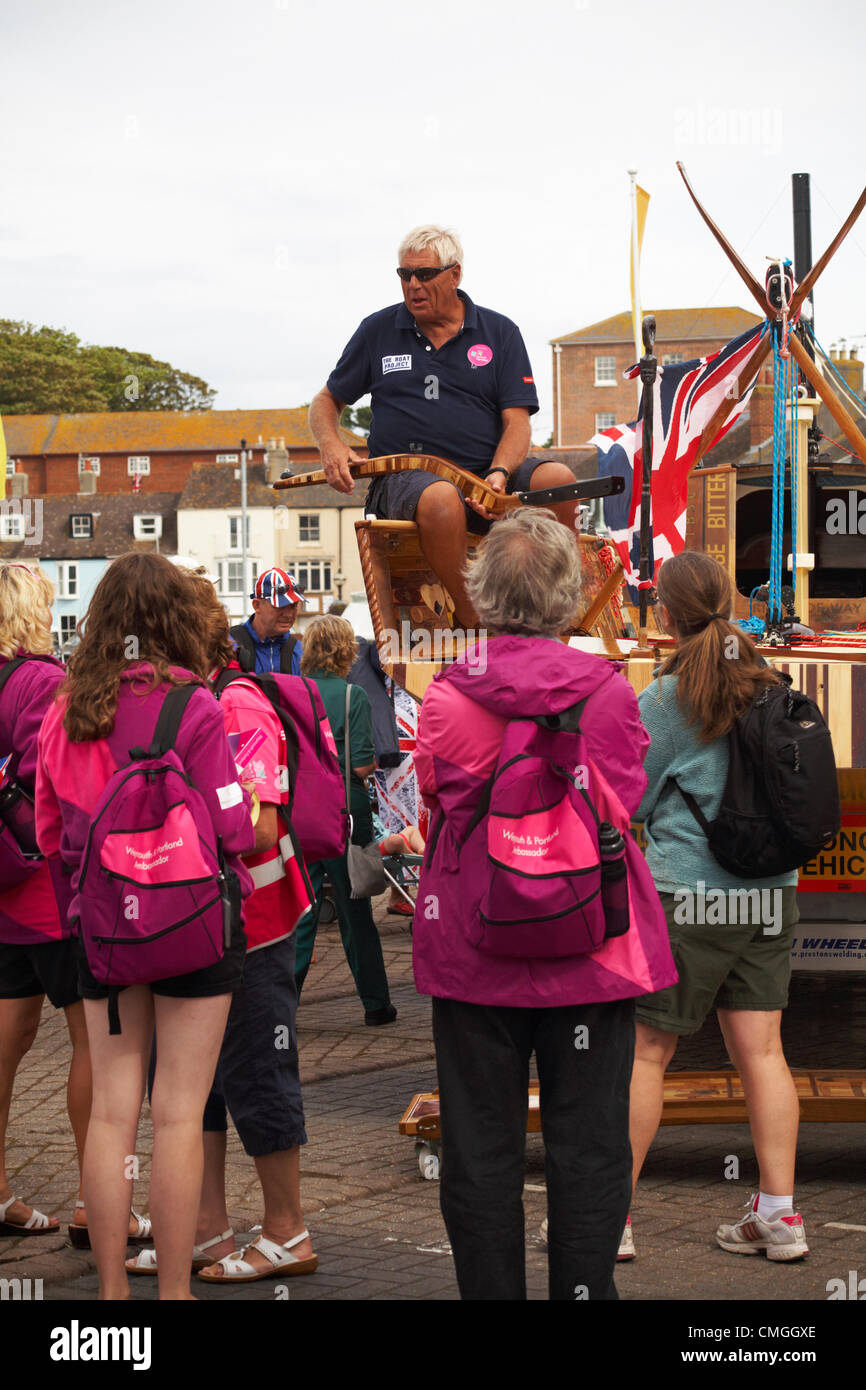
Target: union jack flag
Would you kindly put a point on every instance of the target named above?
(686, 397)
(136, 482)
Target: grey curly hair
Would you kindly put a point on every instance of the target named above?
(525, 576)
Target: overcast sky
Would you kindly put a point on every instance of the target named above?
(224, 184)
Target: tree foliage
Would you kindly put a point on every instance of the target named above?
(357, 418)
(49, 371)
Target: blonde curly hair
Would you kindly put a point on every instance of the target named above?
(329, 645)
(26, 597)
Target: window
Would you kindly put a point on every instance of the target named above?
(235, 533)
(146, 528)
(67, 579)
(11, 526)
(231, 577)
(313, 576)
(81, 527)
(10, 468)
(138, 463)
(88, 464)
(670, 358)
(308, 527)
(68, 624)
(228, 458)
(605, 371)
(604, 419)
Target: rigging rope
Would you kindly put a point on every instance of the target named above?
(850, 395)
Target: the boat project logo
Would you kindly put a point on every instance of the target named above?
(401, 362)
(480, 354)
(77, 1343)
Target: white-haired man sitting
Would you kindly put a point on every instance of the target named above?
(447, 378)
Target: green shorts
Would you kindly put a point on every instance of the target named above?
(743, 961)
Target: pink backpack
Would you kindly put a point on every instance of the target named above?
(154, 896)
(555, 873)
(317, 801)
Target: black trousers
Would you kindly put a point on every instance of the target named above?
(584, 1055)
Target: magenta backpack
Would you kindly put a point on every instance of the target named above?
(155, 897)
(556, 882)
(317, 801)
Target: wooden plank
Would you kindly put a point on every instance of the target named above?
(696, 1097)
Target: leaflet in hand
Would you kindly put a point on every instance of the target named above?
(245, 746)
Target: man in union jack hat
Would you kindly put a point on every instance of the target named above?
(265, 641)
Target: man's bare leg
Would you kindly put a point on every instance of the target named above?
(441, 520)
(555, 475)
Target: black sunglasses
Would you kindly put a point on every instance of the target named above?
(427, 272)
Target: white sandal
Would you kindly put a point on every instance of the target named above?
(37, 1223)
(145, 1260)
(237, 1270)
(80, 1235)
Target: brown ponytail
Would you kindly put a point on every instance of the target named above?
(718, 667)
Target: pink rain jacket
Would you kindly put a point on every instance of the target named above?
(460, 732)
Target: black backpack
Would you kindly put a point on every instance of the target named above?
(247, 650)
(780, 806)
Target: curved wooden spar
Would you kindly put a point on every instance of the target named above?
(808, 281)
(739, 265)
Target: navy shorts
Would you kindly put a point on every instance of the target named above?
(257, 1076)
(395, 496)
(49, 968)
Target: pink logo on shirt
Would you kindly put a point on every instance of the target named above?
(480, 354)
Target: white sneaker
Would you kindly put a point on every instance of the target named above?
(626, 1246)
(626, 1249)
(783, 1238)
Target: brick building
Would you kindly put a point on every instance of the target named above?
(53, 452)
(589, 392)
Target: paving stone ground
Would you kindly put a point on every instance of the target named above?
(376, 1222)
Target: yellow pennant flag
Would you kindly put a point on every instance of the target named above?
(640, 203)
(2, 460)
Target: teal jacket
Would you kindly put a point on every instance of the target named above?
(677, 851)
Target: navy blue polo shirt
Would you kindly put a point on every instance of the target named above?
(446, 401)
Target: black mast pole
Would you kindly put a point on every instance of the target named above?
(803, 240)
(802, 199)
(648, 373)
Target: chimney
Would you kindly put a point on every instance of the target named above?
(87, 482)
(18, 485)
(760, 414)
(278, 460)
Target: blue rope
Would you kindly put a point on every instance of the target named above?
(755, 627)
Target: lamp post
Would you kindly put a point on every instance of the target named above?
(244, 516)
(339, 580)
